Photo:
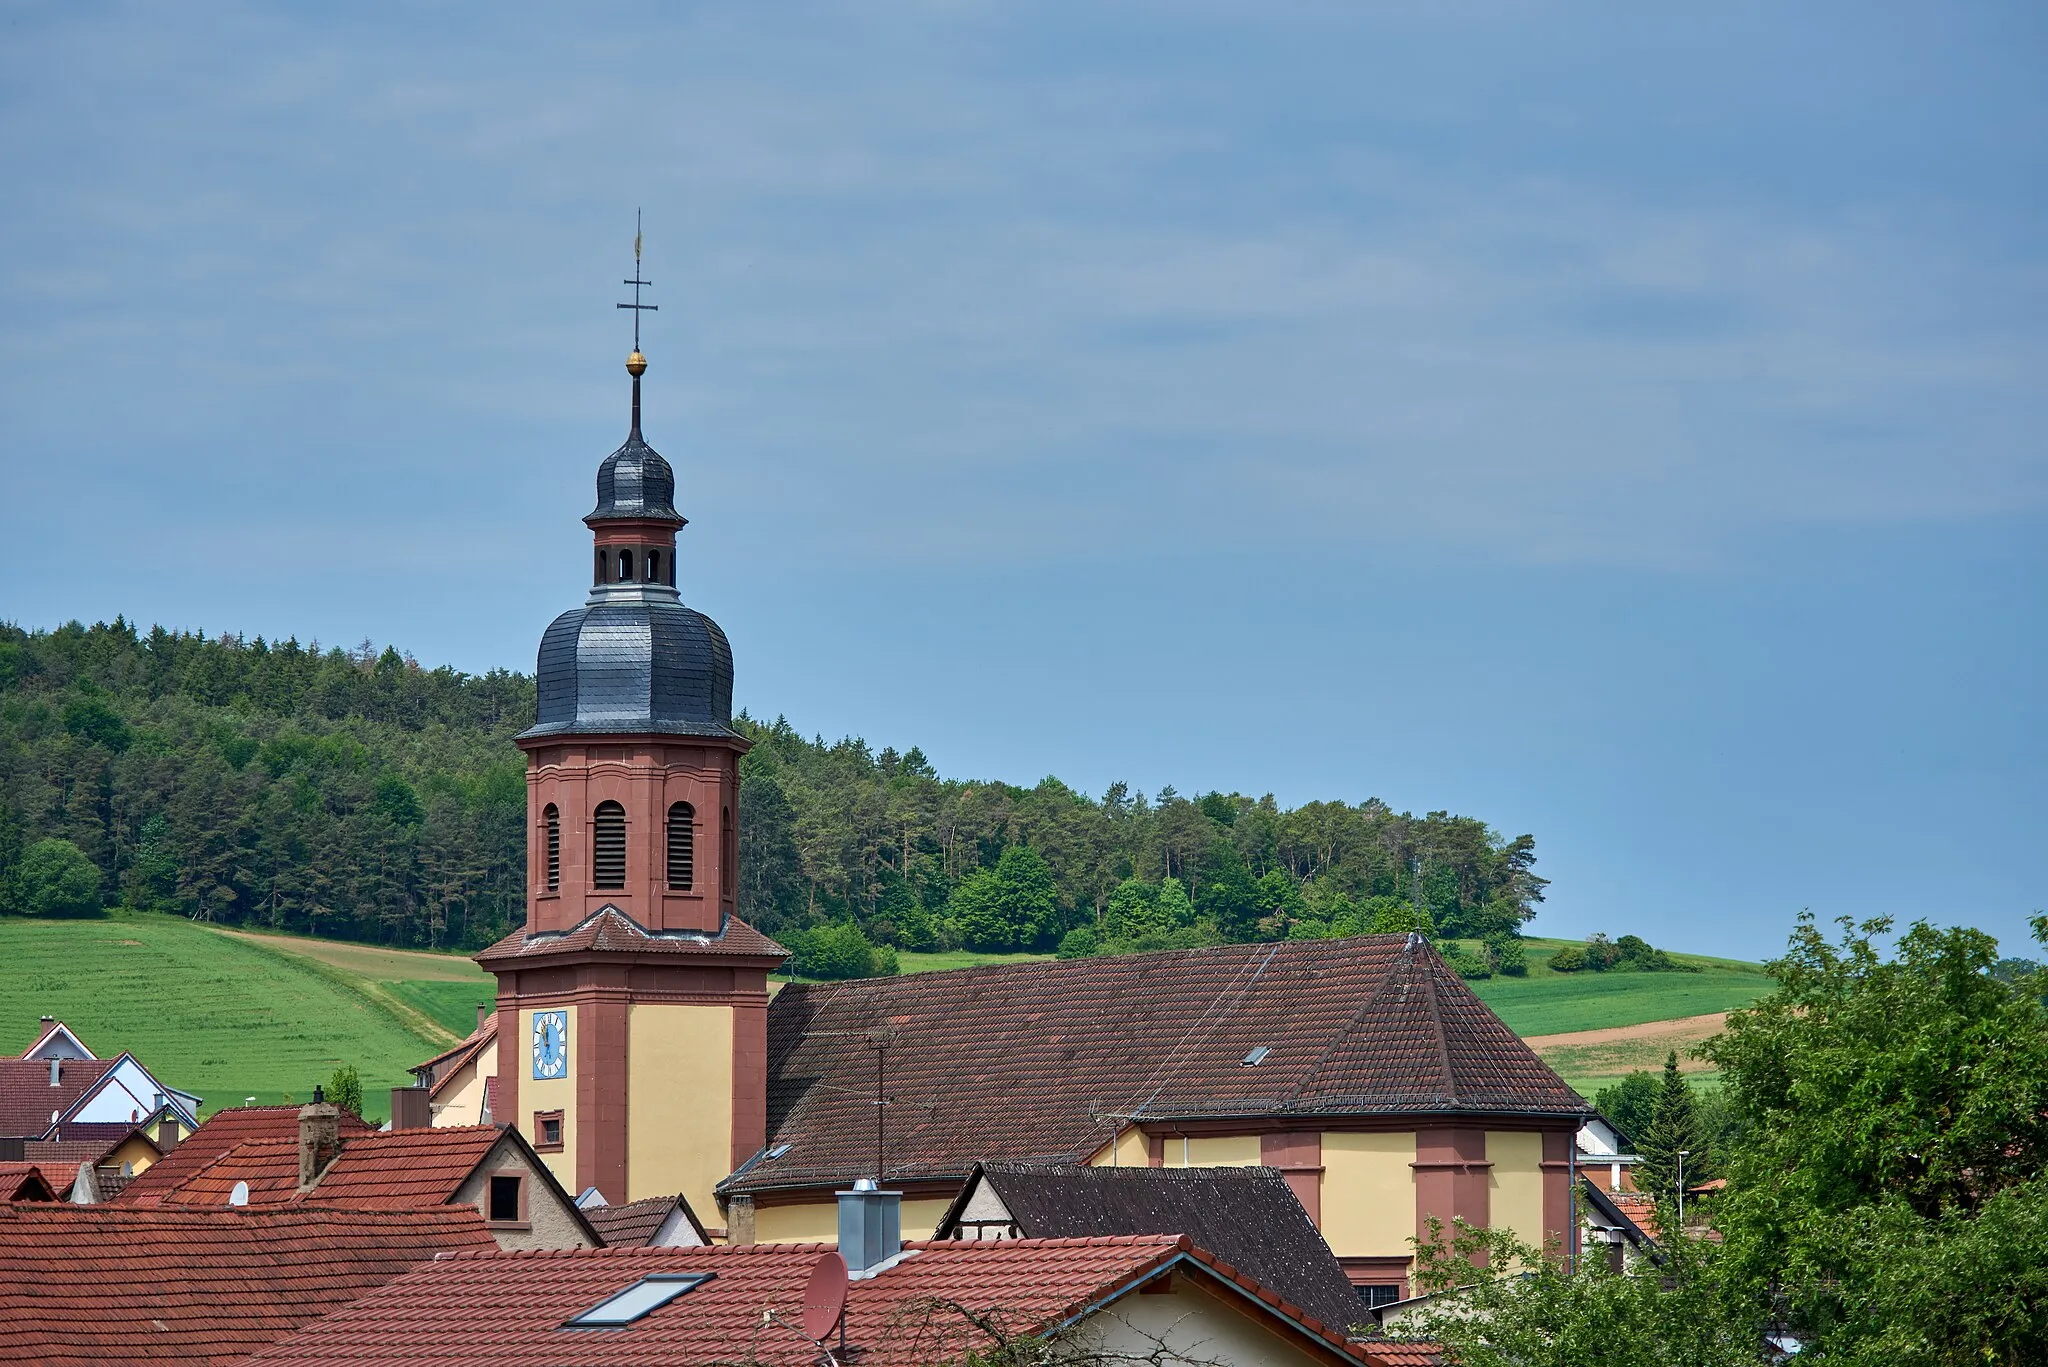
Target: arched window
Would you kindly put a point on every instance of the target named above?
(625, 567)
(682, 846)
(603, 562)
(608, 850)
(654, 567)
(551, 817)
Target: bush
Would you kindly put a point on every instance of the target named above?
(1570, 959)
(1465, 963)
(837, 951)
(56, 879)
(1078, 943)
(1508, 958)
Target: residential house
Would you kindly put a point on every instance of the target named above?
(119, 1286)
(1605, 1155)
(57, 1092)
(458, 1081)
(1246, 1217)
(657, 1222)
(222, 1131)
(489, 1168)
(898, 1305)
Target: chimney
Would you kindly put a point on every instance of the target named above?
(483, 1013)
(870, 1226)
(411, 1109)
(319, 1138)
(47, 1022)
(56, 1072)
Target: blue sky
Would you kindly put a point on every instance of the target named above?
(1622, 427)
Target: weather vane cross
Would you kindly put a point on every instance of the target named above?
(636, 282)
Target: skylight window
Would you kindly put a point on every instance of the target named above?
(776, 1152)
(642, 1298)
(1257, 1056)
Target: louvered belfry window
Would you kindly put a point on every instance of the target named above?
(608, 862)
(552, 816)
(682, 846)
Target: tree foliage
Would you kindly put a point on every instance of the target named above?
(358, 794)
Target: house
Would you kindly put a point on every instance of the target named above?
(114, 1285)
(489, 1168)
(1605, 1155)
(58, 1092)
(222, 1131)
(1247, 1217)
(898, 1305)
(657, 1222)
(458, 1081)
(1611, 1224)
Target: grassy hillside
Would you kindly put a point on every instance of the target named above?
(226, 1016)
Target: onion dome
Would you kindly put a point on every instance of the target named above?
(645, 665)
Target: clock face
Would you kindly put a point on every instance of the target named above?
(550, 1043)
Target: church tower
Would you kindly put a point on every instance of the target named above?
(633, 1006)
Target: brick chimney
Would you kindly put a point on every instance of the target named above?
(319, 1138)
(483, 1012)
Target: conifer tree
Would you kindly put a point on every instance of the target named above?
(1674, 1128)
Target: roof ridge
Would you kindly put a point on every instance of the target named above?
(1436, 1022)
(1388, 981)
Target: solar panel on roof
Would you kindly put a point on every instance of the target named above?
(640, 1299)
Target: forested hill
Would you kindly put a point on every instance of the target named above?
(358, 794)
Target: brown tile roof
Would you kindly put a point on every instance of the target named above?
(1403, 1353)
(27, 1099)
(507, 1309)
(64, 1155)
(631, 1225)
(1040, 1062)
(395, 1170)
(95, 1286)
(610, 931)
(443, 1068)
(25, 1182)
(1247, 1217)
(221, 1132)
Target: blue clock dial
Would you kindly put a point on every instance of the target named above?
(550, 1043)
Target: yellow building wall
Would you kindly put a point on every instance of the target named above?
(1515, 1184)
(1368, 1194)
(678, 1101)
(134, 1154)
(1129, 1151)
(463, 1103)
(1212, 1151)
(548, 1094)
(818, 1221)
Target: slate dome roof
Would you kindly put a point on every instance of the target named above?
(639, 663)
(635, 482)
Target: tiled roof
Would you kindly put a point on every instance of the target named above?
(395, 1170)
(25, 1182)
(95, 1286)
(1040, 1062)
(1402, 1353)
(27, 1099)
(610, 931)
(506, 1309)
(1247, 1217)
(221, 1132)
(446, 1066)
(631, 1225)
(64, 1155)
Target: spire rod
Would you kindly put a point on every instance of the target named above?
(636, 364)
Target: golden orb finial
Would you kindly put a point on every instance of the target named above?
(636, 364)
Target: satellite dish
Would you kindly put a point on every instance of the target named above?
(240, 1195)
(825, 1296)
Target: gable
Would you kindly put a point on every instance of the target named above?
(58, 1042)
(127, 1094)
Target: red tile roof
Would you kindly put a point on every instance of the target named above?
(631, 1225)
(64, 1155)
(1039, 1062)
(443, 1068)
(611, 931)
(223, 1131)
(1402, 1353)
(506, 1310)
(397, 1170)
(25, 1182)
(27, 1099)
(95, 1286)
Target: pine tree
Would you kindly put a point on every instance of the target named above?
(1674, 1128)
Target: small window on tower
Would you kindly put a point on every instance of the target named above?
(608, 864)
(682, 849)
(654, 567)
(603, 561)
(625, 567)
(552, 818)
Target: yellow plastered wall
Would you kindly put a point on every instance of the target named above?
(678, 1101)
(818, 1221)
(136, 1152)
(1128, 1151)
(1515, 1184)
(1212, 1151)
(1368, 1195)
(548, 1094)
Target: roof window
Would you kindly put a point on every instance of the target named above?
(640, 1299)
(1256, 1056)
(776, 1152)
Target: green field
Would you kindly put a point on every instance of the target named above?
(226, 1016)
(234, 1014)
